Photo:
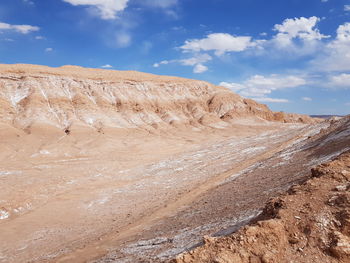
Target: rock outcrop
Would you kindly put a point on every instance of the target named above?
(72, 96)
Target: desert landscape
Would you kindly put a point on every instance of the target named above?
(122, 166)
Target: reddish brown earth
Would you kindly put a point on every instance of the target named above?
(310, 223)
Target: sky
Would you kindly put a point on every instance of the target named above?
(293, 55)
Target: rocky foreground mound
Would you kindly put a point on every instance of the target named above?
(72, 96)
(310, 223)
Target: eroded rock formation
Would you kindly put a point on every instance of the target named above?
(69, 96)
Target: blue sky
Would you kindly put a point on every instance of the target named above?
(293, 55)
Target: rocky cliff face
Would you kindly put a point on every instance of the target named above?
(71, 96)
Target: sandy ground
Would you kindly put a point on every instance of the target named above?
(61, 193)
(231, 201)
(93, 162)
(239, 197)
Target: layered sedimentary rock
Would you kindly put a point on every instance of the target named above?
(73, 96)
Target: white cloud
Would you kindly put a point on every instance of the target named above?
(220, 43)
(272, 100)
(164, 62)
(294, 38)
(324, 1)
(122, 39)
(336, 54)
(235, 87)
(340, 81)
(288, 32)
(260, 86)
(49, 49)
(274, 82)
(107, 66)
(197, 59)
(306, 99)
(286, 39)
(106, 9)
(23, 29)
(301, 28)
(199, 68)
(197, 62)
(347, 8)
(39, 37)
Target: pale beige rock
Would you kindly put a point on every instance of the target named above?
(73, 96)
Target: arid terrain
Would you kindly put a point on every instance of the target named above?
(112, 166)
(310, 223)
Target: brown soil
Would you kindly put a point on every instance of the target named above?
(311, 223)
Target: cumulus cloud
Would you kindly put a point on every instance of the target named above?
(220, 43)
(23, 29)
(336, 54)
(105, 9)
(49, 49)
(294, 37)
(298, 28)
(297, 36)
(347, 8)
(259, 86)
